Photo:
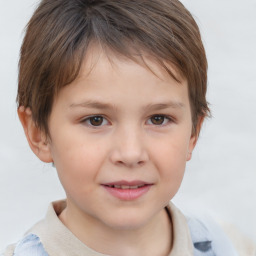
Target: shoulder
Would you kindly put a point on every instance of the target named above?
(30, 245)
(243, 244)
(209, 238)
(223, 239)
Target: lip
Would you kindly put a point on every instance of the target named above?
(127, 194)
(127, 183)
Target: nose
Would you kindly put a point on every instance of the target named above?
(129, 149)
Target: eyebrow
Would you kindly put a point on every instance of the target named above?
(169, 104)
(92, 104)
(106, 106)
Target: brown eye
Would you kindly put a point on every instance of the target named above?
(96, 120)
(157, 120)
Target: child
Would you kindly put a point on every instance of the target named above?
(113, 94)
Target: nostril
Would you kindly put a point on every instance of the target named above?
(130, 164)
(119, 163)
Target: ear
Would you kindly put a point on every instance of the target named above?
(194, 138)
(37, 140)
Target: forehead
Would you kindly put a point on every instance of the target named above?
(96, 58)
(111, 78)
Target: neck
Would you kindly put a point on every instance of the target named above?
(153, 238)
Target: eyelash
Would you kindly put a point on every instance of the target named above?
(167, 120)
(88, 121)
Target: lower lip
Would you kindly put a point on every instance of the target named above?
(128, 194)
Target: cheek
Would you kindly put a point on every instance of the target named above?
(171, 172)
(171, 151)
(170, 159)
(77, 164)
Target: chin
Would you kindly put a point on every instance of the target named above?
(128, 221)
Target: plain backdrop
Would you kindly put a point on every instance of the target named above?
(221, 178)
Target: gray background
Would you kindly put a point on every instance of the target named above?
(221, 178)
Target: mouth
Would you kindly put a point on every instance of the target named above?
(127, 191)
(126, 186)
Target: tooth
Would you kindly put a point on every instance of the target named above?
(125, 187)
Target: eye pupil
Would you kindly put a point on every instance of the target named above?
(157, 120)
(96, 120)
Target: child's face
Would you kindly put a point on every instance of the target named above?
(121, 125)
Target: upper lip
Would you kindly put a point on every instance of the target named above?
(127, 183)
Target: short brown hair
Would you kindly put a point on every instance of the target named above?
(60, 31)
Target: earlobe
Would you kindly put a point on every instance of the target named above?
(37, 139)
(194, 138)
(189, 156)
(192, 144)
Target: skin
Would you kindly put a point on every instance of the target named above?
(126, 144)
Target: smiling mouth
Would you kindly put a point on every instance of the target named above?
(127, 191)
(126, 186)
